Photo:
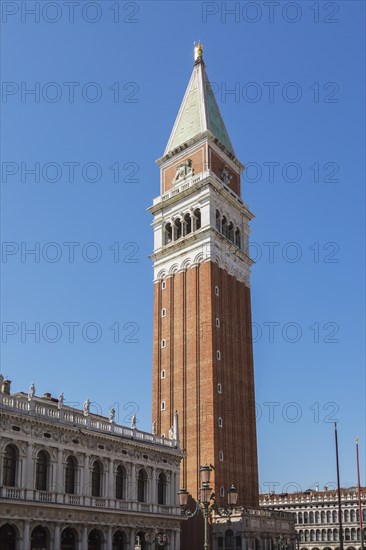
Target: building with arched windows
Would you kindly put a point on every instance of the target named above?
(254, 529)
(74, 480)
(317, 517)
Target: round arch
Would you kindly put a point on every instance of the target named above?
(162, 488)
(96, 478)
(8, 537)
(119, 540)
(69, 539)
(42, 470)
(141, 540)
(71, 465)
(40, 538)
(10, 465)
(95, 540)
(142, 485)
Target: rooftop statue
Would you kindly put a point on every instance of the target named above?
(86, 407)
(60, 401)
(31, 392)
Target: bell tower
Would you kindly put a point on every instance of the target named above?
(202, 353)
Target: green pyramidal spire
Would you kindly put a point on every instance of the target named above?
(199, 111)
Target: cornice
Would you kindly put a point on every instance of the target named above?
(207, 182)
(205, 136)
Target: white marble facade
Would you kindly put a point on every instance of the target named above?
(201, 197)
(317, 516)
(254, 529)
(74, 480)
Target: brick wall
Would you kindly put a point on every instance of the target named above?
(193, 372)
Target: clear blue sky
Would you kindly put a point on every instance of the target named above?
(107, 93)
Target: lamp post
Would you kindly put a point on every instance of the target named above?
(206, 503)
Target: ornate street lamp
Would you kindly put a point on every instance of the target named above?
(206, 503)
(232, 496)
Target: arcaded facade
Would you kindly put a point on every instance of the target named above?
(317, 517)
(73, 480)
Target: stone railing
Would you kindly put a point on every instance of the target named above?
(68, 416)
(30, 495)
(312, 497)
(11, 492)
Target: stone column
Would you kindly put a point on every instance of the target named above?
(173, 490)
(1, 466)
(86, 477)
(132, 539)
(176, 540)
(26, 536)
(59, 472)
(133, 487)
(51, 481)
(110, 488)
(109, 538)
(79, 540)
(84, 540)
(176, 489)
(78, 481)
(29, 469)
(57, 538)
(153, 491)
(105, 479)
(21, 472)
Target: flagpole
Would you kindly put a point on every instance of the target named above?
(359, 495)
(339, 490)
